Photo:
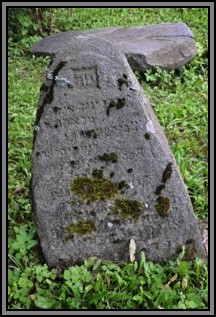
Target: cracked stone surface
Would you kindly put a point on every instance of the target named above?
(167, 45)
(102, 171)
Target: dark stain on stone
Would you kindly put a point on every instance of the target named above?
(97, 173)
(44, 87)
(56, 109)
(48, 98)
(190, 241)
(50, 63)
(159, 189)
(119, 105)
(117, 241)
(163, 206)
(75, 148)
(73, 163)
(50, 92)
(167, 173)
(111, 105)
(93, 213)
(112, 174)
(130, 170)
(116, 221)
(89, 133)
(147, 136)
(97, 78)
(58, 68)
(109, 157)
(123, 184)
(122, 81)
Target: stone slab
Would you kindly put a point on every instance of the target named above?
(166, 45)
(102, 171)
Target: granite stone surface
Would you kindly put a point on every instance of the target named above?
(102, 170)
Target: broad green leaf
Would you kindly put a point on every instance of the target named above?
(89, 288)
(46, 303)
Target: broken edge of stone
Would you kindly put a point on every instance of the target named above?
(167, 45)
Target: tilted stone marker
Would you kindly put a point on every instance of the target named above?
(167, 45)
(102, 172)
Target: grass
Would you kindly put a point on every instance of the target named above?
(180, 100)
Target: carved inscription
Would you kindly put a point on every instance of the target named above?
(85, 78)
(91, 109)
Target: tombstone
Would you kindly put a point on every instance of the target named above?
(102, 171)
(166, 45)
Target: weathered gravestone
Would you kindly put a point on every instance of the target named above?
(166, 45)
(102, 172)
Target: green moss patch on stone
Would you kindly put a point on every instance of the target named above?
(73, 202)
(93, 189)
(128, 208)
(167, 173)
(68, 237)
(109, 157)
(81, 228)
(190, 250)
(163, 206)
